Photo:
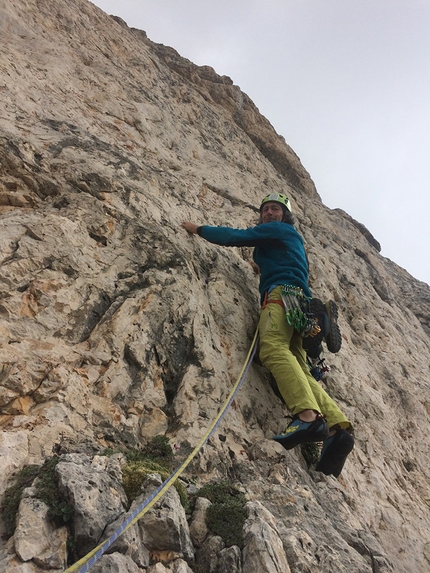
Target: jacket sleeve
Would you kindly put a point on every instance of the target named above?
(253, 237)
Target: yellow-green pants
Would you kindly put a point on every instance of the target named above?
(282, 353)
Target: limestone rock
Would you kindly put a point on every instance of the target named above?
(36, 538)
(198, 527)
(207, 557)
(177, 566)
(116, 325)
(95, 494)
(158, 568)
(180, 566)
(129, 543)
(165, 527)
(14, 453)
(230, 559)
(115, 563)
(245, 114)
(11, 563)
(263, 550)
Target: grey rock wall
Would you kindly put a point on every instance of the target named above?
(116, 326)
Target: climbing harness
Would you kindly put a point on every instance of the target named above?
(297, 310)
(84, 564)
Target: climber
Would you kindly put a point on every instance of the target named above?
(280, 255)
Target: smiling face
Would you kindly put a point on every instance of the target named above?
(272, 211)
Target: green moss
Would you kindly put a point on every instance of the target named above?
(135, 473)
(155, 457)
(47, 490)
(13, 494)
(227, 514)
(45, 483)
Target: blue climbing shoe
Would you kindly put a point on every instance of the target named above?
(299, 432)
(335, 450)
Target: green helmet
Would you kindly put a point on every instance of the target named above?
(277, 198)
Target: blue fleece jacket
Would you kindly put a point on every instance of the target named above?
(279, 252)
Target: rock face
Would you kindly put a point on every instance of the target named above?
(117, 326)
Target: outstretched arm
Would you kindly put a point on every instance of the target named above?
(192, 229)
(260, 236)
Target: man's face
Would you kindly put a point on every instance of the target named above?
(271, 211)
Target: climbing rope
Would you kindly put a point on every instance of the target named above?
(84, 564)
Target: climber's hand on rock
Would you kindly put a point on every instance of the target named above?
(190, 227)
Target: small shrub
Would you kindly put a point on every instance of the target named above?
(221, 492)
(61, 512)
(227, 520)
(159, 449)
(109, 452)
(47, 484)
(227, 514)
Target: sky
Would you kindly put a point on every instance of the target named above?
(345, 82)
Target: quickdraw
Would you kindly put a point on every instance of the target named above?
(296, 305)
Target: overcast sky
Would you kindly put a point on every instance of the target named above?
(346, 82)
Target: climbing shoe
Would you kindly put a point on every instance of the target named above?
(334, 453)
(299, 432)
(317, 311)
(333, 337)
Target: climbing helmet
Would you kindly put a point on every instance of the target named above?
(277, 198)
